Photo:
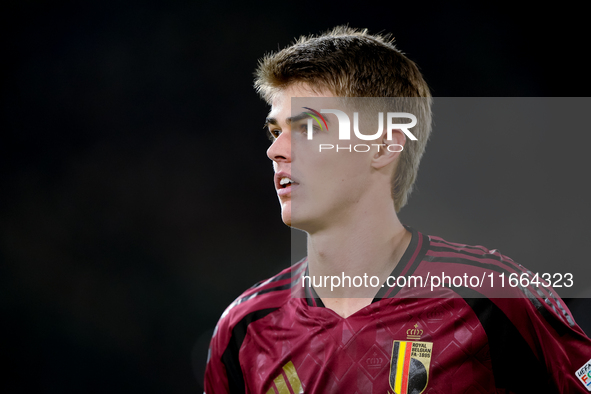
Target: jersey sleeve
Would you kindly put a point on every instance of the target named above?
(544, 320)
(223, 373)
(535, 344)
(564, 346)
(216, 378)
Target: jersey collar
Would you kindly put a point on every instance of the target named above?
(412, 257)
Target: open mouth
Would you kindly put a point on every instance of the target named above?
(285, 182)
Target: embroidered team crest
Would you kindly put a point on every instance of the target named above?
(409, 367)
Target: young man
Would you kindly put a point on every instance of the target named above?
(289, 334)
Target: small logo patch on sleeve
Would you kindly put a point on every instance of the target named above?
(584, 375)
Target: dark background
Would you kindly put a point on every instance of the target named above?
(137, 199)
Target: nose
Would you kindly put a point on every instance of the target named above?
(280, 149)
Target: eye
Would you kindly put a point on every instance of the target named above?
(304, 129)
(273, 134)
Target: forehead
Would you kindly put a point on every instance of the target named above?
(281, 105)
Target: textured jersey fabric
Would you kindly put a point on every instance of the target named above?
(468, 340)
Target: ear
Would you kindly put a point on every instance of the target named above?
(389, 150)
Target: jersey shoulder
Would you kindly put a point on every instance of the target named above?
(224, 372)
(528, 326)
(261, 299)
(482, 269)
(475, 255)
(512, 286)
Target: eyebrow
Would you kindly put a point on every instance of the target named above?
(273, 121)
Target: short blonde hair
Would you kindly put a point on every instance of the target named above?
(352, 63)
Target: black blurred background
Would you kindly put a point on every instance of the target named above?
(137, 199)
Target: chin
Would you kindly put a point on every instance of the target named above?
(300, 223)
(286, 215)
(293, 223)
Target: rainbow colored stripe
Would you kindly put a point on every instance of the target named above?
(316, 117)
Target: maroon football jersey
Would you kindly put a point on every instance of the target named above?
(268, 341)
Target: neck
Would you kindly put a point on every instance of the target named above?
(367, 244)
